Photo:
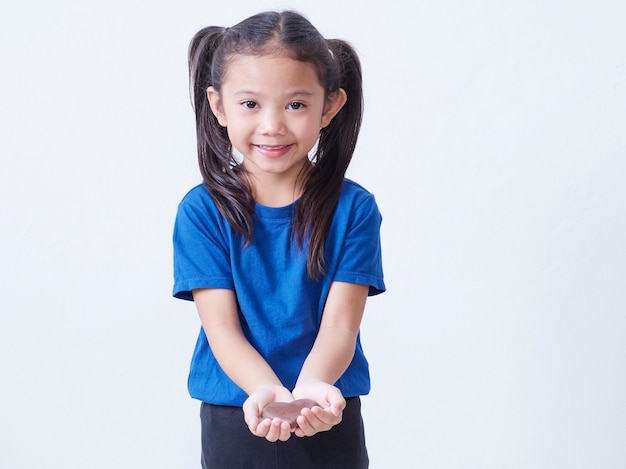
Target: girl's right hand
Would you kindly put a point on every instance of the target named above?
(270, 429)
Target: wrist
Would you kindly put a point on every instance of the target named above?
(312, 380)
(275, 387)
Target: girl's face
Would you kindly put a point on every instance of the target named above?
(273, 108)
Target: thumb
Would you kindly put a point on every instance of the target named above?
(251, 412)
(336, 400)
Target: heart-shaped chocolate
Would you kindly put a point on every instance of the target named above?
(287, 411)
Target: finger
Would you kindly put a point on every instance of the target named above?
(251, 417)
(278, 429)
(285, 431)
(252, 422)
(336, 400)
(262, 428)
(251, 412)
(272, 432)
(305, 427)
(328, 416)
(311, 423)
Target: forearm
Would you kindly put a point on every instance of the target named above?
(239, 360)
(334, 346)
(234, 353)
(330, 356)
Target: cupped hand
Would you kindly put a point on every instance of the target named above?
(270, 429)
(323, 417)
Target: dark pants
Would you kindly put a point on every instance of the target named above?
(228, 444)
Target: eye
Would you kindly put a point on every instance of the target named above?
(295, 106)
(249, 104)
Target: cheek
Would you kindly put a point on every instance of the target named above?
(314, 132)
(237, 131)
(311, 128)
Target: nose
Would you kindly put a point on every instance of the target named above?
(272, 122)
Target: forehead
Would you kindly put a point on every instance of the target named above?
(274, 70)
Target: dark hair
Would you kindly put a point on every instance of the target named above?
(337, 66)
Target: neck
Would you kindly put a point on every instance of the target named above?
(277, 190)
(276, 195)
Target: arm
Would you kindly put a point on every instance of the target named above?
(241, 361)
(330, 356)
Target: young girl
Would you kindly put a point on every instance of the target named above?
(276, 248)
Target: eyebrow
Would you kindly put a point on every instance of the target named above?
(290, 95)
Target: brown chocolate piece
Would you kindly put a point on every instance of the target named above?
(287, 411)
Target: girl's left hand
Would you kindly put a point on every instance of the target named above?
(323, 417)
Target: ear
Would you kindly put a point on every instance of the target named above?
(334, 103)
(216, 105)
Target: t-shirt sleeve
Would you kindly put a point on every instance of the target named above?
(201, 247)
(360, 260)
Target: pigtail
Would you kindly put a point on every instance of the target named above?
(345, 127)
(231, 195)
(337, 143)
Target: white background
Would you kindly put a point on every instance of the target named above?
(494, 139)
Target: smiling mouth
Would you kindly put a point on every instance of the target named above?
(272, 147)
(274, 151)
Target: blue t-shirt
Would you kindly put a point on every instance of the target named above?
(280, 307)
